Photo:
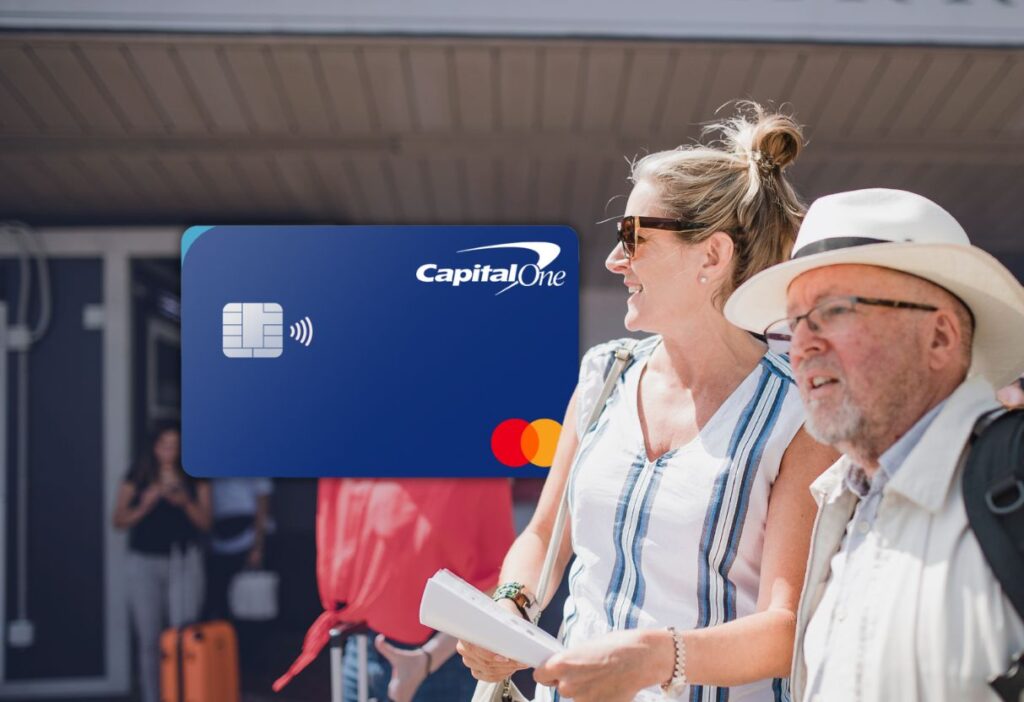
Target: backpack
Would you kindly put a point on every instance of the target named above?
(993, 489)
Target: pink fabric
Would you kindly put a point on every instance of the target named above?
(378, 541)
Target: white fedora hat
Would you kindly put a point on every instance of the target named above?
(906, 232)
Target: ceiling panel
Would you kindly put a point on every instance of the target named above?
(444, 180)
(649, 72)
(980, 73)
(76, 76)
(927, 91)
(558, 104)
(519, 73)
(683, 91)
(604, 84)
(732, 79)
(255, 84)
(208, 73)
(33, 86)
(110, 66)
(302, 83)
(774, 74)
(884, 94)
(474, 85)
(853, 84)
(481, 188)
(175, 99)
(431, 88)
(389, 89)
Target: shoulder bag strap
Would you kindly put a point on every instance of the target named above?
(623, 355)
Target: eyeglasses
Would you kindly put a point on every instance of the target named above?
(628, 226)
(829, 317)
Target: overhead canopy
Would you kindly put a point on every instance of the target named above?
(182, 129)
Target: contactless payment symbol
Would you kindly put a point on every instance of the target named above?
(255, 330)
(302, 331)
(516, 442)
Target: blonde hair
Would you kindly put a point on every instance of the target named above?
(735, 185)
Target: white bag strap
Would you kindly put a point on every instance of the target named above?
(623, 355)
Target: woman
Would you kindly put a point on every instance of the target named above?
(165, 512)
(689, 501)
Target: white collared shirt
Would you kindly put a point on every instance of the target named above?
(925, 618)
(852, 570)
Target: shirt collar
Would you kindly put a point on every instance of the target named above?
(828, 486)
(928, 471)
(928, 468)
(856, 479)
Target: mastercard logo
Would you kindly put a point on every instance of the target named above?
(516, 442)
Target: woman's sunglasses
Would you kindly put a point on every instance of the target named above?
(628, 226)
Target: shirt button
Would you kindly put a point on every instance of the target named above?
(863, 527)
(840, 614)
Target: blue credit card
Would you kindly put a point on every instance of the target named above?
(373, 351)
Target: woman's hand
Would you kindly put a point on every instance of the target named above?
(125, 516)
(487, 665)
(408, 669)
(148, 499)
(612, 668)
(176, 494)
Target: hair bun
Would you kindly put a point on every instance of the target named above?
(776, 140)
(769, 140)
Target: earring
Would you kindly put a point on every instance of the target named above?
(703, 279)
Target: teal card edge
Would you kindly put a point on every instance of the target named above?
(189, 238)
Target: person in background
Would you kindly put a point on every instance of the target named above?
(378, 541)
(241, 517)
(165, 512)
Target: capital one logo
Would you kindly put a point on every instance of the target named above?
(527, 275)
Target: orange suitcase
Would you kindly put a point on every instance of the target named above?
(199, 663)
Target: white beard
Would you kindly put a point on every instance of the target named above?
(843, 424)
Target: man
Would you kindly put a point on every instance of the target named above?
(241, 521)
(898, 331)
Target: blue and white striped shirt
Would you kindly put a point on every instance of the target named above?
(677, 540)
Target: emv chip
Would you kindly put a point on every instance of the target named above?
(252, 330)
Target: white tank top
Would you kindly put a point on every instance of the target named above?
(677, 540)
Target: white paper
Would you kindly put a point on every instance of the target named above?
(453, 606)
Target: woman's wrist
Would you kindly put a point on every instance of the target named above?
(519, 595)
(511, 607)
(662, 651)
(676, 683)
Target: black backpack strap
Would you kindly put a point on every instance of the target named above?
(993, 491)
(993, 487)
